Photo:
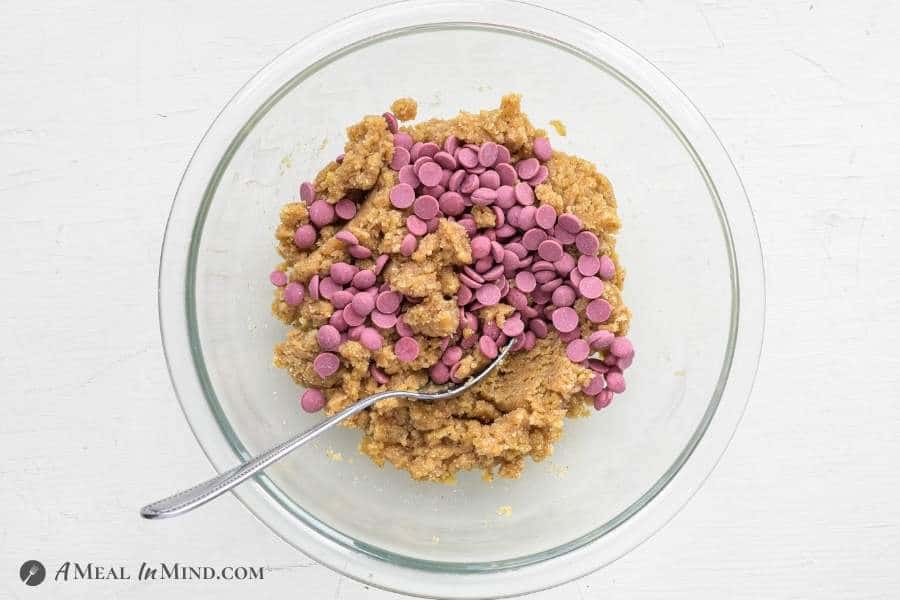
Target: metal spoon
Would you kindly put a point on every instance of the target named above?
(200, 494)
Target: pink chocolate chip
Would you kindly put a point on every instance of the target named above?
(439, 373)
(542, 149)
(464, 295)
(533, 238)
(321, 213)
(569, 223)
(400, 158)
(484, 196)
(312, 400)
(430, 173)
(305, 236)
(467, 158)
(362, 304)
(388, 302)
(562, 236)
(565, 319)
(278, 278)
(488, 294)
(445, 159)
(469, 282)
(527, 168)
(517, 299)
(524, 194)
(598, 310)
(429, 149)
(588, 265)
(527, 217)
(469, 184)
(351, 317)
(406, 349)
(577, 350)
(603, 399)
(337, 320)
(600, 339)
(408, 245)
(456, 180)
(451, 144)
(380, 262)
(565, 264)
(383, 320)
(408, 176)
(293, 294)
(370, 339)
(307, 192)
(416, 225)
(563, 295)
(622, 347)
(481, 246)
(378, 375)
(497, 251)
(513, 326)
(403, 140)
(326, 364)
(542, 175)
(347, 237)
(507, 174)
(539, 327)
(359, 251)
(391, 122)
(451, 204)
(452, 355)
(342, 273)
(364, 279)
(607, 268)
(591, 287)
(402, 195)
(345, 209)
(595, 386)
(487, 346)
(587, 243)
(489, 179)
(487, 154)
(569, 335)
(575, 277)
(615, 382)
(506, 197)
(341, 298)
(550, 250)
(403, 328)
(546, 217)
(328, 337)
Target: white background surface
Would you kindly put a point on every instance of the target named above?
(101, 105)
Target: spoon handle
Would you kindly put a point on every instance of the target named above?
(200, 494)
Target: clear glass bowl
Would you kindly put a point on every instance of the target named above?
(695, 284)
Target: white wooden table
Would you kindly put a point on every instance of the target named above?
(101, 104)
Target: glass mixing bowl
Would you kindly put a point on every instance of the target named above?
(695, 284)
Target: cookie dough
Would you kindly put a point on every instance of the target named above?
(351, 211)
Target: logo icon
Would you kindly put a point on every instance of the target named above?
(32, 572)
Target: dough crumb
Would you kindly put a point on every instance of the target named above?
(504, 511)
(404, 109)
(559, 126)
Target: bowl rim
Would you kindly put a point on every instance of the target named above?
(464, 580)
